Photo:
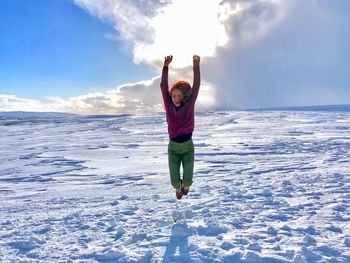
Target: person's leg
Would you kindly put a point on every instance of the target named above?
(174, 160)
(188, 163)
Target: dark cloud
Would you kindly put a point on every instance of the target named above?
(303, 59)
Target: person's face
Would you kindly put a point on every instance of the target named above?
(177, 97)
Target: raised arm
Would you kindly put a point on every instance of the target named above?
(196, 77)
(164, 81)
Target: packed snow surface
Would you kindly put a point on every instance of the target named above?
(269, 186)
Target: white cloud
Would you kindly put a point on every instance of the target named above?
(158, 28)
(186, 27)
(12, 103)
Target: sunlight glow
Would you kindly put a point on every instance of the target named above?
(185, 28)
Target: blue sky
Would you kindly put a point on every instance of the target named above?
(105, 56)
(54, 47)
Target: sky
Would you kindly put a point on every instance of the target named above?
(105, 57)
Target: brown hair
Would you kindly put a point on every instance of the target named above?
(183, 86)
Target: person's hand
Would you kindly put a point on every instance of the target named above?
(196, 60)
(167, 60)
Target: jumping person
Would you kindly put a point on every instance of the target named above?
(179, 103)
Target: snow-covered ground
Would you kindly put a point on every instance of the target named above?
(269, 186)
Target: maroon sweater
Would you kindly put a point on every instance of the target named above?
(180, 120)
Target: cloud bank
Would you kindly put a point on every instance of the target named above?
(133, 98)
(255, 53)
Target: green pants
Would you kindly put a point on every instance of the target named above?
(181, 153)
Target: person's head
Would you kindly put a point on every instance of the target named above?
(179, 91)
